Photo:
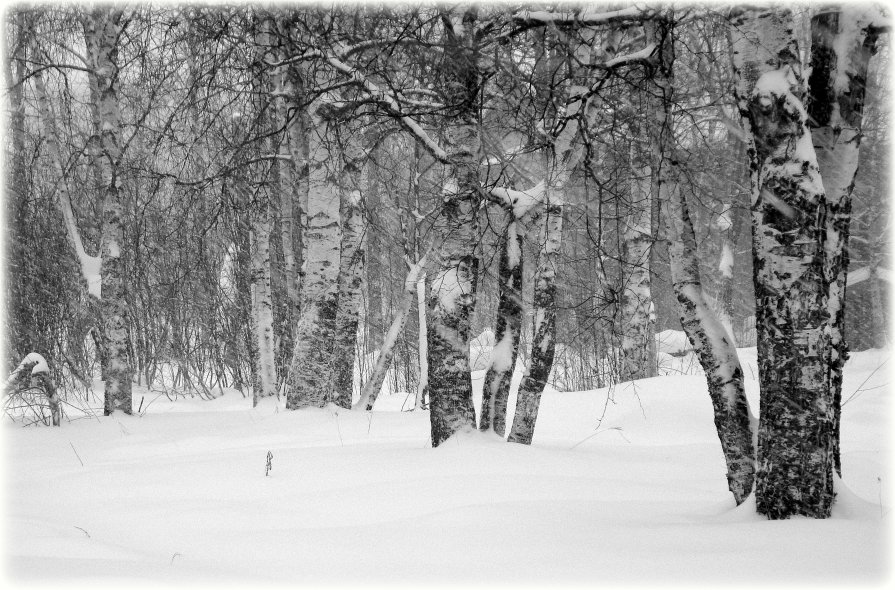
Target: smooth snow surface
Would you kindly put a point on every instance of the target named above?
(640, 497)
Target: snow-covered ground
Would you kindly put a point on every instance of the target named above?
(620, 487)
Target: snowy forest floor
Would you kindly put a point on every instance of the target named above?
(179, 494)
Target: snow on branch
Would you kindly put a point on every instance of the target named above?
(521, 202)
(590, 17)
(636, 57)
(391, 104)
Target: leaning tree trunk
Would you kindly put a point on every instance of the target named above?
(711, 342)
(104, 28)
(350, 281)
(309, 378)
(373, 386)
(543, 344)
(709, 337)
(453, 294)
(496, 389)
(841, 47)
(796, 435)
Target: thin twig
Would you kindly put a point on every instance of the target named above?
(76, 455)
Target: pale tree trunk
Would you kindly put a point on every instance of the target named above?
(289, 119)
(638, 360)
(717, 354)
(841, 46)
(265, 382)
(496, 389)
(543, 343)
(729, 225)
(262, 305)
(310, 371)
(422, 387)
(373, 386)
(453, 286)
(709, 337)
(796, 434)
(351, 277)
(104, 24)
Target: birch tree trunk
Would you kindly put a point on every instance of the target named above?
(543, 343)
(638, 360)
(453, 294)
(309, 380)
(350, 280)
(710, 340)
(842, 43)
(104, 24)
(496, 389)
(709, 337)
(265, 383)
(262, 305)
(373, 386)
(729, 225)
(796, 435)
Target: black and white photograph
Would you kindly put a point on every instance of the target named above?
(447, 294)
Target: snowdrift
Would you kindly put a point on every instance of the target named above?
(621, 486)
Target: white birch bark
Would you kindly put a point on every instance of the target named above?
(794, 473)
(103, 31)
(262, 306)
(636, 295)
(265, 381)
(350, 280)
(842, 42)
(423, 385)
(713, 345)
(453, 293)
(309, 379)
(373, 386)
(544, 334)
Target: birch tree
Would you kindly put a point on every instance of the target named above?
(102, 35)
(796, 433)
(453, 286)
(842, 43)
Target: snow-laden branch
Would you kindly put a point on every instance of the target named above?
(636, 57)
(587, 16)
(391, 105)
(521, 202)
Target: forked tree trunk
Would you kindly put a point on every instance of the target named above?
(104, 28)
(496, 389)
(841, 47)
(796, 435)
(543, 344)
